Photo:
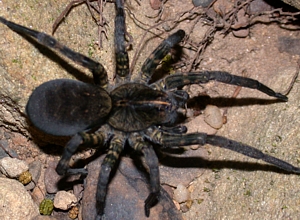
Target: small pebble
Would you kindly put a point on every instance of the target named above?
(78, 190)
(73, 212)
(51, 178)
(6, 150)
(155, 4)
(213, 116)
(29, 186)
(12, 167)
(189, 203)
(38, 194)
(203, 3)
(184, 208)
(4, 144)
(222, 7)
(241, 19)
(64, 200)
(181, 194)
(259, 6)
(176, 204)
(44, 217)
(35, 169)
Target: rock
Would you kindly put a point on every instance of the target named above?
(59, 215)
(222, 6)
(44, 217)
(203, 3)
(12, 167)
(35, 170)
(73, 212)
(198, 124)
(289, 45)
(64, 200)
(29, 186)
(181, 194)
(259, 6)
(38, 194)
(241, 19)
(15, 202)
(4, 144)
(294, 3)
(155, 4)
(213, 116)
(55, 182)
(51, 178)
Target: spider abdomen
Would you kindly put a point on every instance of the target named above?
(137, 107)
(64, 107)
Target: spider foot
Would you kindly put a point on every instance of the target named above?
(62, 167)
(281, 97)
(100, 217)
(181, 129)
(100, 210)
(151, 201)
(75, 171)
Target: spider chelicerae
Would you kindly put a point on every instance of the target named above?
(135, 112)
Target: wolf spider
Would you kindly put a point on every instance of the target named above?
(134, 112)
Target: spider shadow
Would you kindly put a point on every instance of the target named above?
(199, 162)
(50, 54)
(200, 102)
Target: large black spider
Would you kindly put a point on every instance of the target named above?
(134, 112)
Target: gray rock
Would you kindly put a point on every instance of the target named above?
(35, 169)
(203, 3)
(51, 178)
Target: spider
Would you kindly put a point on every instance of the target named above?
(133, 113)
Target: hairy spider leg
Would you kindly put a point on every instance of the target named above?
(151, 160)
(158, 54)
(62, 167)
(115, 148)
(181, 79)
(122, 60)
(97, 69)
(169, 140)
(96, 139)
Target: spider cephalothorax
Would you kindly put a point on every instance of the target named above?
(135, 112)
